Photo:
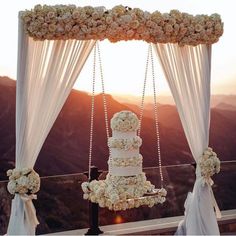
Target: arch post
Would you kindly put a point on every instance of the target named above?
(94, 207)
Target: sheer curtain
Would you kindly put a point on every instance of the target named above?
(47, 71)
(188, 71)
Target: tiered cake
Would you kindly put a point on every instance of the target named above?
(125, 185)
(124, 144)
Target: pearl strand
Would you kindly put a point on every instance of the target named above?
(103, 92)
(156, 117)
(143, 92)
(104, 102)
(92, 114)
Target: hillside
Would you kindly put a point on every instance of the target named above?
(66, 147)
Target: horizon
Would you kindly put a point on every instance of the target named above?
(123, 76)
(128, 94)
(221, 101)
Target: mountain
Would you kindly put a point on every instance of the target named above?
(131, 99)
(225, 99)
(66, 147)
(216, 100)
(5, 81)
(7, 121)
(225, 106)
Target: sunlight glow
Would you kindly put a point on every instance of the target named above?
(124, 62)
(123, 74)
(118, 219)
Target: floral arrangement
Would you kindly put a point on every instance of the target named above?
(121, 193)
(209, 164)
(120, 23)
(124, 121)
(23, 181)
(125, 144)
(124, 162)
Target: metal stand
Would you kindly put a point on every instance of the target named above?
(93, 207)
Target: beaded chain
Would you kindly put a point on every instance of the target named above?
(103, 92)
(104, 101)
(92, 112)
(97, 52)
(150, 56)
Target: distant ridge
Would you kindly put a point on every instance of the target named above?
(225, 106)
(6, 81)
(66, 146)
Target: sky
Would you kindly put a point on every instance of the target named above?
(124, 62)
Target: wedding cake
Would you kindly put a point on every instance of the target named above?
(125, 185)
(125, 159)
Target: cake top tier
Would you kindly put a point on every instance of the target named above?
(124, 121)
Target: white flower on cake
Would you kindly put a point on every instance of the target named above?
(85, 187)
(209, 165)
(132, 161)
(126, 144)
(23, 181)
(125, 121)
(125, 194)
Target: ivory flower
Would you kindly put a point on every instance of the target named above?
(121, 193)
(209, 164)
(126, 23)
(23, 181)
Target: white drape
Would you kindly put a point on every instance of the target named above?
(188, 71)
(47, 71)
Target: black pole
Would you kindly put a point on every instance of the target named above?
(93, 207)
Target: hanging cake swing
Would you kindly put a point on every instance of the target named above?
(126, 185)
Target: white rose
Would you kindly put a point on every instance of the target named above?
(23, 181)
(207, 153)
(11, 177)
(33, 182)
(163, 199)
(163, 192)
(93, 198)
(16, 173)
(137, 204)
(101, 203)
(92, 185)
(109, 20)
(151, 202)
(11, 187)
(122, 196)
(114, 197)
(21, 189)
(9, 172)
(124, 206)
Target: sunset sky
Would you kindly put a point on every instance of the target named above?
(124, 62)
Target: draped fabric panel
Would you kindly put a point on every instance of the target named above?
(188, 71)
(47, 71)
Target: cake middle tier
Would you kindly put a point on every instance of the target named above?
(125, 143)
(125, 171)
(121, 153)
(125, 166)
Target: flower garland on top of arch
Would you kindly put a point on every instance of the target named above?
(61, 22)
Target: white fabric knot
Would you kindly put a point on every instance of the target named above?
(30, 211)
(27, 198)
(207, 180)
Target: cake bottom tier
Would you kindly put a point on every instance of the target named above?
(121, 193)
